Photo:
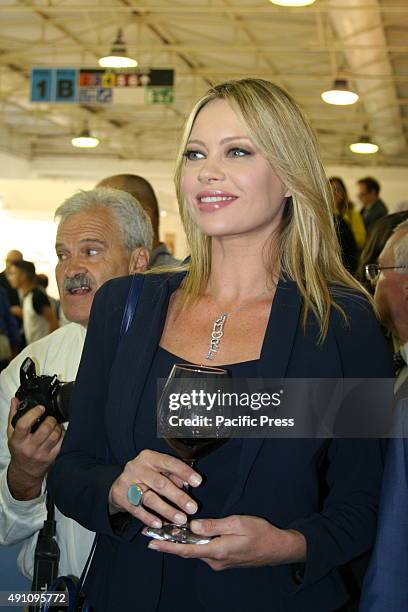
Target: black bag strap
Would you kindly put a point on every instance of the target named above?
(135, 290)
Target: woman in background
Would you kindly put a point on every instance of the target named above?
(346, 209)
(284, 514)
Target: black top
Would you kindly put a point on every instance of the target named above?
(12, 294)
(348, 246)
(40, 300)
(372, 213)
(219, 470)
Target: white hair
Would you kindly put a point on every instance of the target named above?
(134, 223)
(400, 247)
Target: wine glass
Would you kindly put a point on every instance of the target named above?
(192, 441)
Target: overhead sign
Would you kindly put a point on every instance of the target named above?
(102, 86)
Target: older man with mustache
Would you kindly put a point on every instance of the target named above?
(102, 234)
(386, 583)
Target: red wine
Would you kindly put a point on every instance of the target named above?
(194, 448)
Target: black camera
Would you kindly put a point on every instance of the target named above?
(48, 391)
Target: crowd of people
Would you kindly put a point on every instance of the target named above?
(291, 522)
(27, 313)
(23, 293)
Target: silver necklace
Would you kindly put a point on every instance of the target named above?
(218, 328)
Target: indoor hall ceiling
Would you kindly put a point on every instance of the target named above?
(207, 41)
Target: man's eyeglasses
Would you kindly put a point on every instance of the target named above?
(373, 271)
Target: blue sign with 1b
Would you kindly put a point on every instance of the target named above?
(41, 84)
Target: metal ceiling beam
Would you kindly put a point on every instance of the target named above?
(295, 76)
(199, 11)
(379, 101)
(166, 38)
(44, 16)
(210, 72)
(193, 64)
(292, 48)
(237, 20)
(114, 126)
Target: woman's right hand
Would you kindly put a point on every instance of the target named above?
(161, 478)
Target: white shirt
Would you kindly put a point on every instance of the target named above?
(20, 521)
(403, 373)
(35, 325)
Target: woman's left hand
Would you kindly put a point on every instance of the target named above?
(242, 541)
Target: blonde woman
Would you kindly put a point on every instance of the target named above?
(285, 514)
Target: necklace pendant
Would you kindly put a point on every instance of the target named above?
(216, 335)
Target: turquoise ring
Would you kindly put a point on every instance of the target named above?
(135, 494)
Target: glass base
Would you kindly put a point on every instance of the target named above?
(180, 534)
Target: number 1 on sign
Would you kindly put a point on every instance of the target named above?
(42, 88)
(41, 84)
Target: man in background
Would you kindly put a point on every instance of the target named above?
(373, 207)
(102, 234)
(10, 338)
(386, 582)
(143, 192)
(391, 295)
(12, 294)
(39, 318)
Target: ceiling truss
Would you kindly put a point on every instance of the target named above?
(205, 41)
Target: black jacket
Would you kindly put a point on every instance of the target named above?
(328, 490)
(372, 213)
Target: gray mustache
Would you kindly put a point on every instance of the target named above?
(77, 281)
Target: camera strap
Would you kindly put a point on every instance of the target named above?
(46, 555)
(47, 552)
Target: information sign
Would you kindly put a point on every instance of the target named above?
(102, 87)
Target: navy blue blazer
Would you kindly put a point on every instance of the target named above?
(386, 583)
(326, 489)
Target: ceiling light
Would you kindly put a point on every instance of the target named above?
(292, 2)
(118, 57)
(85, 140)
(340, 95)
(364, 146)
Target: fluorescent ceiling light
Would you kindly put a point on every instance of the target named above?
(118, 57)
(117, 61)
(340, 95)
(364, 146)
(292, 2)
(85, 140)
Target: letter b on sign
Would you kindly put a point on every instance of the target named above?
(66, 85)
(65, 89)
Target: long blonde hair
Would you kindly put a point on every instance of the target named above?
(305, 250)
